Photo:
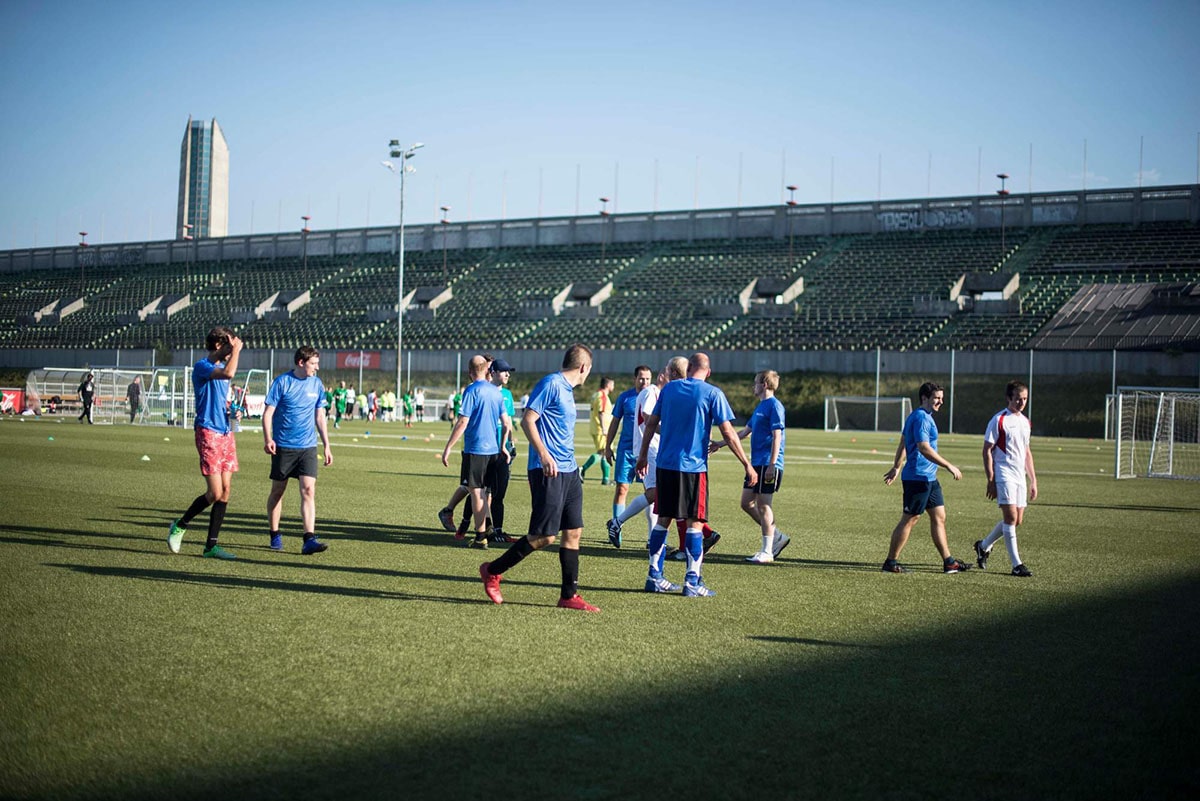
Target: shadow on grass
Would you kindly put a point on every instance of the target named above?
(1124, 507)
(260, 583)
(1081, 700)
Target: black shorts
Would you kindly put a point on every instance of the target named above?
(293, 463)
(922, 495)
(478, 470)
(557, 503)
(681, 496)
(764, 489)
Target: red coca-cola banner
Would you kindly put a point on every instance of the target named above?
(12, 401)
(352, 360)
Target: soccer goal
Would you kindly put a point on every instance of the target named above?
(55, 390)
(865, 413)
(1158, 433)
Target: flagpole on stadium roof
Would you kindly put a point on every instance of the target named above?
(404, 154)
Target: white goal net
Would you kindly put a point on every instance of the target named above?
(55, 391)
(1158, 433)
(865, 413)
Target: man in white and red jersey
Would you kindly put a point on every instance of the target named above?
(1007, 460)
(644, 405)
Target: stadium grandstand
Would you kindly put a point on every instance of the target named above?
(1112, 270)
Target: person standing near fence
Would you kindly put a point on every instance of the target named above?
(87, 391)
(133, 394)
(214, 439)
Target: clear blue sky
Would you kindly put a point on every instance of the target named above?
(513, 100)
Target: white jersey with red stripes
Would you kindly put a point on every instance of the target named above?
(1009, 432)
(646, 400)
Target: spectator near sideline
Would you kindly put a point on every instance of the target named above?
(133, 394)
(86, 392)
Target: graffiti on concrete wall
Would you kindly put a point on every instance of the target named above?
(919, 220)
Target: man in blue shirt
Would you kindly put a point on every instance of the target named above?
(554, 482)
(624, 459)
(485, 422)
(917, 452)
(214, 441)
(293, 416)
(768, 437)
(684, 417)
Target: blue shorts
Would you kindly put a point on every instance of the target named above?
(626, 462)
(922, 495)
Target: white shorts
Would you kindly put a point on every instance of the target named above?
(1012, 493)
(650, 482)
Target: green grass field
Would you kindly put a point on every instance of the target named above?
(379, 669)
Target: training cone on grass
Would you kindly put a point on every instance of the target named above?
(145, 458)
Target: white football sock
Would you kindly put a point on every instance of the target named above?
(996, 534)
(1010, 542)
(633, 509)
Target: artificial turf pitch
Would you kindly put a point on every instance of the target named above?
(379, 669)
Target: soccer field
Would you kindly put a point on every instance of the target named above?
(379, 669)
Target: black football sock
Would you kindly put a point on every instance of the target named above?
(568, 560)
(519, 550)
(198, 506)
(215, 518)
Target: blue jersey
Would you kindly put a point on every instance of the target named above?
(767, 418)
(554, 400)
(918, 428)
(212, 394)
(626, 410)
(296, 401)
(482, 405)
(687, 410)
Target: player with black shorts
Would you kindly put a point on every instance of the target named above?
(293, 416)
(684, 416)
(554, 482)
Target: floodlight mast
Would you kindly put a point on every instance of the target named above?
(1003, 193)
(404, 154)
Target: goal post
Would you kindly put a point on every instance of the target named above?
(1157, 433)
(865, 413)
(55, 390)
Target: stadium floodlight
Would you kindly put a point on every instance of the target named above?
(404, 154)
(304, 232)
(1003, 193)
(82, 244)
(791, 188)
(187, 256)
(445, 221)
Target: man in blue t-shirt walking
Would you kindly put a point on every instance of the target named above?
(684, 416)
(917, 452)
(293, 416)
(485, 423)
(554, 482)
(214, 440)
